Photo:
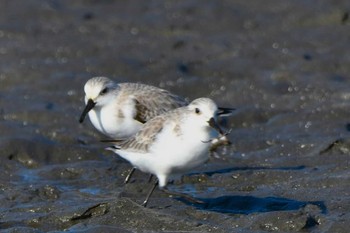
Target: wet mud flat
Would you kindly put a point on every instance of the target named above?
(284, 65)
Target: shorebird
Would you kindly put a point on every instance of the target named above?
(172, 143)
(119, 110)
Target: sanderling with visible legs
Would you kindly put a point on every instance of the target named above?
(172, 143)
(118, 110)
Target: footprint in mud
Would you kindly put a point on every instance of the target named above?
(341, 145)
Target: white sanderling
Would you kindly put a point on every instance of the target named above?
(172, 143)
(118, 110)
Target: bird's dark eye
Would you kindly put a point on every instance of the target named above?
(104, 91)
(197, 111)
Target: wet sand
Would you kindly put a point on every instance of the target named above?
(284, 65)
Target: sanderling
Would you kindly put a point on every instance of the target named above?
(172, 143)
(118, 110)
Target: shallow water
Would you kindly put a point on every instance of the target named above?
(284, 65)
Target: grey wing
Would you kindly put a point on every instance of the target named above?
(145, 137)
(155, 103)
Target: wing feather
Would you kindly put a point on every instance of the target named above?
(152, 101)
(145, 137)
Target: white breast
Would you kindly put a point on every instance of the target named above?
(114, 121)
(177, 154)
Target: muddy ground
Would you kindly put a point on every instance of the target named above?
(285, 66)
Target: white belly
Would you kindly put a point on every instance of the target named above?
(170, 155)
(110, 124)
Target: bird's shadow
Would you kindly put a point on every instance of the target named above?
(250, 204)
(232, 169)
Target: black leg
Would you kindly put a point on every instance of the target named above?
(150, 193)
(150, 178)
(183, 195)
(127, 178)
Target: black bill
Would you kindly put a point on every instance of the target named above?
(90, 105)
(225, 111)
(215, 125)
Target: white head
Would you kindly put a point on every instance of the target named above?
(98, 92)
(204, 112)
